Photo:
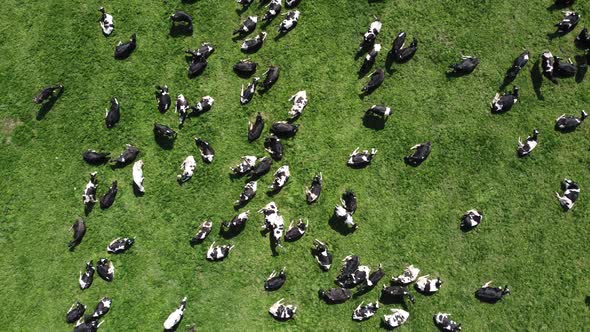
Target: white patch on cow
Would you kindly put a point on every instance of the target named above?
(138, 175)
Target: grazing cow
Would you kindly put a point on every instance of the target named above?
(272, 76)
(419, 156)
(245, 166)
(528, 146)
(237, 224)
(274, 8)
(408, 276)
(91, 326)
(106, 22)
(396, 293)
(204, 230)
(79, 228)
(105, 269)
(373, 278)
(375, 80)
(120, 245)
(299, 103)
(471, 219)
(547, 64)
(247, 95)
(255, 129)
(583, 39)
(109, 198)
(335, 295)
(295, 233)
(313, 192)
(396, 318)
(163, 131)
(428, 286)
(247, 26)
(247, 194)
(181, 108)
(273, 145)
(89, 196)
(126, 156)
(85, 280)
(370, 59)
(218, 253)
(188, 167)
(568, 123)
(176, 316)
(322, 255)
(47, 93)
(138, 176)
(180, 17)
(465, 66)
(123, 50)
(197, 65)
(571, 191)
(113, 114)
(444, 323)
(491, 294)
(261, 168)
(253, 44)
(95, 158)
(517, 65)
(289, 22)
(379, 110)
(163, 98)
(282, 312)
(283, 129)
(245, 67)
(370, 36)
(568, 23)
(207, 152)
(292, 3)
(361, 159)
(564, 69)
(204, 105)
(503, 103)
(364, 312)
(75, 312)
(347, 208)
(401, 53)
(275, 281)
(281, 177)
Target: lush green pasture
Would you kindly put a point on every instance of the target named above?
(406, 215)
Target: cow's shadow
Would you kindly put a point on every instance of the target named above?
(582, 64)
(165, 143)
(337, 224)
(537, 80)
(136, 191)
(88, 208)
(230, 233)
(181, 30)
(587, 300)
(47, 106)
(373, 122)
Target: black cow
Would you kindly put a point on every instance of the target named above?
(120, 245)
(503, 103)
(370, 36)
(127, 156)
(48, 93)
(335, 295)
(247, 26)
(253, 44)
(571, 191)
(401, 53)
(101, 309)
(275, 281)
(247, 194)
(379, 110)
(373, 278)
(197, 65)
(568, 123)
(123, 51)
(261, 168)
(444, 323)
(105, 269)
(75, 312)
(237, 223)
(90, 326)
(245, 67)
(289, 22)
(322, 255)
(564, 69)
(528, 146)
(109, 198)
(273, 145)
(491, 294)
(568, 23)
(274, 8)
(362, 159)
(564, 3)
(204, 51)
(204, 105)
(547, 64)
(85, 280)
(95, 158)
(207, 152)
(284, 129)
(364, 312)
(517, 65)
(370, 59)
(465, 66)
(292, 3)
(471, 219)
(295, 233)
(204, 230)
(419, 156)
(313, 192)
(79, 228)
(255, 129)
(245, 3)
(349, 266)
(396, 293)
(183, 18)
(375, 80)
(272, 76)
(162, 131)
(583, 39)
(164, 100)
(247, 94)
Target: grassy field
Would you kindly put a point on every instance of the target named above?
(406, 215)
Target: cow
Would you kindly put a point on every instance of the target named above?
(48, 93)
(180, 17)
(272, 76)
(197, 65)
(207, 152)
(245, 67)
(408, 276)
(292, 3)
(491, 294)
(105, 269)
(204, 105)
(401, 53)
(564, 69)
(85, 280)
(237, 223)
(181, 108)
(109, 198)
(75, 312)
(547, 65)
(269, 210)
(349, 266)
(91, 326)
(444, 323)
(322, 255)
(247, 94)
(204, 230)
(138, 176)
(126, 156)
(188, 167)
(370, 36)
(375, 80)
(163, 98)
(396, 293)
(379, 110)
(218, 253)
(253, 44)
(79, 228)
(373, 279)
(245, 166)
(571, 191)
(529, 145)
(113, 114)
(299, 102)
(283, 129)
(568, 23)
(281, 177)
(247, 194)
(583, 39)
(163, 132)
(274, 8)
(289, 22)
(347, 208)
(471, 219)
(273, 223)
(362, 159)
(120, 245)
(503, 103)
(275, 281)
(464, 67)
(247, 26)
(370, 59)
(397, 317)
(517, 65)
(428, 286)
(102, 308)
(95, 158)
(335, 295)
(273, 145)
(364, 312)
(312, 193)
(204, 51)
(282, 312)
(352, 274)
(295, 233)
(419, 156)
(106, 22)
(175, 317)
(124, 50)
(569, 123)
(261, 168)
(245, 3)
(89, 196)
(255, 128)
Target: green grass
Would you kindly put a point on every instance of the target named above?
(406, 215)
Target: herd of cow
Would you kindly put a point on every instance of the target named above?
(352, 275)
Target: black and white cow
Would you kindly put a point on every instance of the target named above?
(568, 23)
(517, 65)
(138, 176)
(571, 191)
(503, 103)
(375, 80)
(237, 223)
(401, 53)
(48, 93)
(349, 266)
(247, 194)
(120, 245)
(374, 278)
(181, 108)
(218, 253)
(282, 312)
(347, 208)
(204, 51)
(105, 269)
(274, 8)
(79, 228)
(364, 312)
(322, 255)
(75, 312)
(106, 22)
(335, 295)
(529, 145)
(261, 168)
(444, 322)
(491, 294)
(124, 50)
(126, 156)
(283, 129)
(247, 94)
(273, 223)
(370, 36)
(568, 123)
(583, 39)
(109, 198)
(255, 129)
(465, 66)
(273, 145)
(182, 18)
(280, 179)
(419, 156)
(175, 317)
(547, 65)
(397, 317)
(204, 230)
(197, 65)
(275, 281)
(89, 196)
(295, 233)
(245, 3)
(188, 168)
(396, 293)
(313, 192)
(272, 76)
(362, 159)
(163, 131)
(409, 275)
(85, 279)
(95, 158)
(289, 22)
(428, 286)
(292, 3)
(299, 102)
(471, 219)
(379, 110)
(101, 309)
(245, 166)
(90, 326)
(245, 67)
(207, 152)
(370, 59)
(204, 105)
(564, 69)
(253, 44)
(164, 100)
(247, 26)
